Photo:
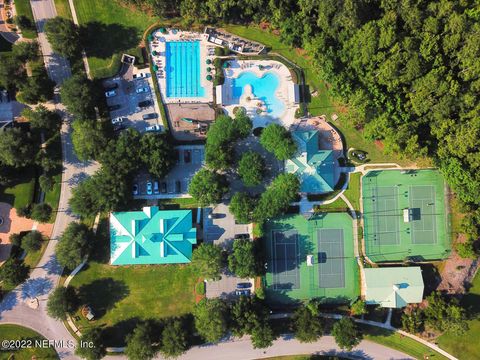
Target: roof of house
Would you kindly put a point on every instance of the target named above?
(151, 236)
(315, 168)
(393, 287)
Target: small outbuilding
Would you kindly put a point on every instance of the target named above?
(393, 287)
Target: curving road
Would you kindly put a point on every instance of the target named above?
(26, 305)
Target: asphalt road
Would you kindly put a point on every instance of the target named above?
(45, 277)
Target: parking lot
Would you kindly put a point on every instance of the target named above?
(226, 287)
(190, 159)
(128, 94)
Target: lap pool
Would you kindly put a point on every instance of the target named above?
(182, 69)
(263, 88)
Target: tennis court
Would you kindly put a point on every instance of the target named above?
(285, 259)
(404, 215)
(331, 261)
(332, 272)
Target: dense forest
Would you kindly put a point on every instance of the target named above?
(409, 69)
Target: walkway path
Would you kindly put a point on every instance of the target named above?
(45, 277)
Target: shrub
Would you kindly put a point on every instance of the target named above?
(200, 288)
(16, 239)
(41, 212)
(24, 211)
(62, 301)
(32, 241)
(13, 272)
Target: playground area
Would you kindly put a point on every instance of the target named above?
(405, 216)
(311, 258)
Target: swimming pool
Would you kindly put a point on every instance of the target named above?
(182, 69)
(263, 88)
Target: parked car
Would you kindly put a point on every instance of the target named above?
(242, 292)
(143, 90)
(114, 107)
(145, 103)
(111, 87)
(110, 93)
(215, 216)
(164, 187)
(149, 188)
(242, 236)
(245, 285)
(149, 116)
(141, 75)
(153, 128)
(135, 189)
(187, 156)
(117, 120)
(155, 187)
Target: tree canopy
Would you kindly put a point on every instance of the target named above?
(308, 325)
(88, 138)
(278, 140)
(243, 261)
(208, 187)
(208, 260)
(242, 206)
(16, 147)
(62, 301)
(13, 272)
(251, 168)
(64, 36)
(79, 96)
(211, 319)
(346, 333)
(97, 351)
(74, 245)
(157, 153)
(174, 338)
(140, 344)
(42, 118)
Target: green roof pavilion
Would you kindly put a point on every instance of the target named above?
(394, 287)
(151, 236)
(315, 168)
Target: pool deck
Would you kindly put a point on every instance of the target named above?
(285, 92)
(206, 48)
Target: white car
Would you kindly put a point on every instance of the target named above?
(143, 90)
(153, 128)
(117, 120)
(110, 93)
(141, 75)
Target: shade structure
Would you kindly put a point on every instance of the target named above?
(155, 68)
(208, 61)
(154, 53)
(150, 37)
(209, 69)
(226, 64)
(209, 77)
(163, 30)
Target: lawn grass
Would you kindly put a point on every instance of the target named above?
(401, 343)
(22, 192)
(353, 190)
(323, 103)
(466, 347)
(15, 332)
(111, 30)
(183, 203)
(63, 9)
(120, 296)
(5, 46)
(23, 7)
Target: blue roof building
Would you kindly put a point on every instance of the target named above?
(315, 168)
(151, 236)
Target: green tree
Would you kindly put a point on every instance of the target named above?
(24, 23)
(346, 333)
(74, 245)
(308, 326)
(41, 212)
(84, 201)
(88, 138)
(13, 272)
(32, 241)
(61, 302)
(242, 125)
(208, 260)
(16, 239)
(42, 118)
(251, 168)
(97, 351)
(174, 339)
(16, 148)
(243, 261)
(26, 51)
(466, 250)
(211, 319)
(242, 206)
(157, 153)
(277, 140)
(140, 344)
(207, 187)
(358, 308)
(37, 88)
(79, 96)
(12, 72)
(262, 336)
(412, 321)
(64, 37)
(46, 182)
(445, 317)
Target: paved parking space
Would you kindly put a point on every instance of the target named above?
(128, 99)
(226, 286)
(222, 229)
(175, 184)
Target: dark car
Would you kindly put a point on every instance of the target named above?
(187, 156)
(242, 292)
(145, 103)
(111, 87)
(242, 236)
(149, 116)
(245, 285)
(114, 107)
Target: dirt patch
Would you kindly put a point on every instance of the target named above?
(379, 144)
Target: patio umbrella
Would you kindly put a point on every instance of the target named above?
(163, 30)
(226, 64)
(155, 68)
(208, 61)
(154, 53)
(209, 69)
(209, 77)
(150, 37)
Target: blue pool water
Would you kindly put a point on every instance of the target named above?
(263, 88)
(182, 69)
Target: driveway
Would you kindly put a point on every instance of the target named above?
(226, 286)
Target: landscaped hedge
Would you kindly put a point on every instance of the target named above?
(200, 288)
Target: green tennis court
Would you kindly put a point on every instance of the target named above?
(404, 215)
(331, 273)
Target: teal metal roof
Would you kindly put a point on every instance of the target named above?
(151, 236)
(315, 168)
(393, 287)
